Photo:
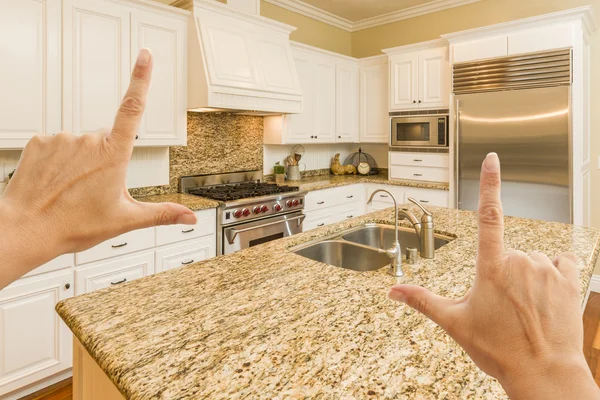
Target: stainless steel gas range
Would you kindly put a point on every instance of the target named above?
(252, 211)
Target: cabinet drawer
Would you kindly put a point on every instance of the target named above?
(206, 225)
(398, 193)
(321, 199)
(377, 206)
(114, 272)
(420, 174)
(349, 211)
(123, 244)
(60, 262)
(420, 159)
(429, 197)
(320, 218)
(186, 253)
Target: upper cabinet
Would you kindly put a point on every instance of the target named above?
(419, 76)
(374, 88)
(101, 42)
(31, 82)
(330, 103)
(72, 76)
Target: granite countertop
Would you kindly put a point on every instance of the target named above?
(328, 181)
(192, 202)
(264, 323)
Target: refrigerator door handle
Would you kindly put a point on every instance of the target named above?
(456, 159)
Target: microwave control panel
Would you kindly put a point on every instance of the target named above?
(442, 131)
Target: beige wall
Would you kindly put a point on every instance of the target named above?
(310, 31)
(369, 42)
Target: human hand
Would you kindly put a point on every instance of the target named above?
(521, 321)
(69, 194)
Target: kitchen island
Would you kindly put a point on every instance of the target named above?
(264, 323)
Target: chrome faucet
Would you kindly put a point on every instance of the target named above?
(395, 253)
(423, 228)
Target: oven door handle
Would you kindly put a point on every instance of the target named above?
(232, 233)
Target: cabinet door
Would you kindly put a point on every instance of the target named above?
(404, 81)
(325, 101)
(30, 101)
(165, 118)
(374, 117)
(300, 127)
(185, 253)
(96, 63)
(434, 78)
(113, 272)
(347, 103)
(34, 342)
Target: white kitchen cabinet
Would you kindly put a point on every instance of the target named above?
(96, 68)
(34, 342)
(165, 118)
(206, 224)
(60, 262)
(419, 76)
(330, 102)
(114, 271)
(347, 102)
(428, 197)
(374, 88)
(542, 38)
(480, 49)
(185, 253)
(320, 218)
(30, 98)
(126, 243)
(101, 40)
(404, 78)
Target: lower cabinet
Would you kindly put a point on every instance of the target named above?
(178, 255)
(113, 272)
(34, 342)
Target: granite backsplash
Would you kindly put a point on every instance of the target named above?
(217, 143)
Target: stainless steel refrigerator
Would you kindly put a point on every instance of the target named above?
(520, 109)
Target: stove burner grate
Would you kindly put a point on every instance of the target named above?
(241, 190)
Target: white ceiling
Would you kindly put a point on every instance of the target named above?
(356, 10)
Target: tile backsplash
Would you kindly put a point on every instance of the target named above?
(217, 143)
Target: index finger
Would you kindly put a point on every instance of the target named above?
(490, 215)
(132, 107)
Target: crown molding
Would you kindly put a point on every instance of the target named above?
(313, 12)
(300, 7)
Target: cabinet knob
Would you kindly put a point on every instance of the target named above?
(420, 101)
(339, 137)
(316, 137)
(137, 136)
(68, 286)
(414, 101)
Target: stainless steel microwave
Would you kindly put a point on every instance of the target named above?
(419, 131)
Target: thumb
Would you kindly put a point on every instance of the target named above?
(145, 215)
(436, 308)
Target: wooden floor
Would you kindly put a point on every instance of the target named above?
(591, 320)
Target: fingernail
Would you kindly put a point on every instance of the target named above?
(143, 57)
(186, 219)
(397, 294)
(492, 163)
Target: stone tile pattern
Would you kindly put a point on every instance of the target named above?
(194, 203)
(217, 143)
(265, 323)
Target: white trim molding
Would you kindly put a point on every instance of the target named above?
(300, 7)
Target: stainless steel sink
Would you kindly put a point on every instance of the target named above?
(345, 255)
(382, 237)
(357, 248)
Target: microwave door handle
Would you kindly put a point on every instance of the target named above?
(232, 233)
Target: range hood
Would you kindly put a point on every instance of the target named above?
(240, 62)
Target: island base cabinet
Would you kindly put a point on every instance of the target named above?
(89, 381)
(34, 343)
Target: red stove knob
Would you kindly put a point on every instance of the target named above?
(256, 210)
(296, 202)
(277, 207)
(289, 203)
(246, 212)
(264, 209)
(237, 213)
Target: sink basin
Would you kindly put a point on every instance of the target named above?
(382, 237)
(345, 255)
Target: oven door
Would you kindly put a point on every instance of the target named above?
(242, 236)
(415, 131)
